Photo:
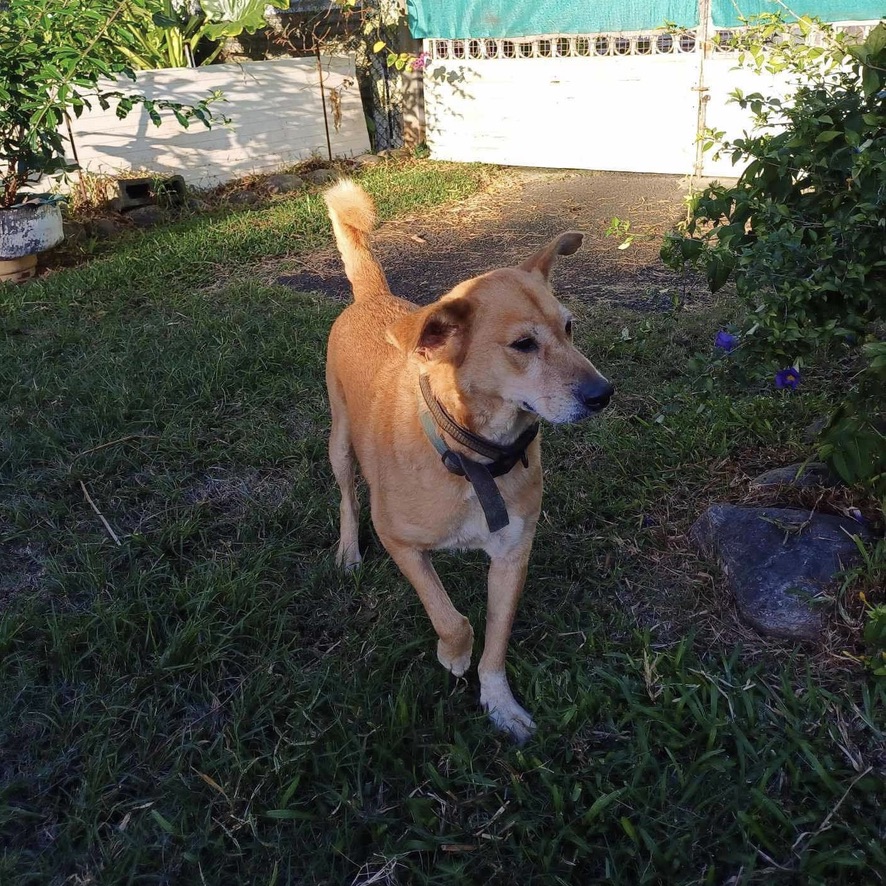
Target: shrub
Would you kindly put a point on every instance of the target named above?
(803, 231)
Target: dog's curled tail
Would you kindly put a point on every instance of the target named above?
(353, 218)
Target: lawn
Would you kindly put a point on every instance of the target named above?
(192, 693)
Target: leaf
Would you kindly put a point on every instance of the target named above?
(718, 271)
(212, 783)
(163, 21)
(378, 46)
(601, 804)
(827, 136)
(230, 17)
(164, 823)
(870, 81)
(628, 828)
(876, 41)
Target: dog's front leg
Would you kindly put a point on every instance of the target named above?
(507, 574)
(454, 630)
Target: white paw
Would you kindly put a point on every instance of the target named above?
(456, 657)
(348, 558)
(506, 715)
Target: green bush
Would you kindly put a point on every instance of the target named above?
(803, 231)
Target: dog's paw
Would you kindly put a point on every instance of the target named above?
(348, 559)
(502, 708)
(456, 657)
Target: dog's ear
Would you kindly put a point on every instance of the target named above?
(543, 261)
(436, 332)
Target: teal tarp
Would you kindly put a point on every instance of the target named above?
(453, 19)
(728, 13)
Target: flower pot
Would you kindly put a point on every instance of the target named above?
(29, 229)
(17, 270)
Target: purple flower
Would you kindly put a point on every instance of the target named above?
(788, 378)
(726, 341)
(857, 515)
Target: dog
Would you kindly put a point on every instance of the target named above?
(440, 406)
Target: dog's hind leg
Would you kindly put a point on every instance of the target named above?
(507, 575)
(341, 456)
(454, 630)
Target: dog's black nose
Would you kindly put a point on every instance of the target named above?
(595, 393)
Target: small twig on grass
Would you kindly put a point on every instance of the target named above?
(100, 515)
(114, 443)
(771, 860)
(827, 822)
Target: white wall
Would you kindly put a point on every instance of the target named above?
(629, 113)
(723, 77)
(275, 111)
(626, 113)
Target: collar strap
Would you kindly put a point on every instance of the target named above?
(499, 454)
(479, 475)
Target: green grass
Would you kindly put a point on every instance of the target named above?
(211, 701)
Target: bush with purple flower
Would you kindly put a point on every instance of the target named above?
(726, 341)
(788, 378)
(804, 249)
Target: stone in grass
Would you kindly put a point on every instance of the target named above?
(321, 176)
(776, 560)
(147, 216)
(105, 228)
(801, 476)
(367, 160)
(244, 198)
(284, 183)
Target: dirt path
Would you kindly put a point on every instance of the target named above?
(425, 256)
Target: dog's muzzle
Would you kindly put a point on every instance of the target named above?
(594, 394)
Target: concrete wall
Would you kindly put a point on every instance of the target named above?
(628, 113)
(275, 111)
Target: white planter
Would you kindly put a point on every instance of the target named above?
(27, 230)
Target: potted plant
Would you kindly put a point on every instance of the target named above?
(57, 57)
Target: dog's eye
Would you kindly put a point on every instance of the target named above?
(525, 345)
(569, 328)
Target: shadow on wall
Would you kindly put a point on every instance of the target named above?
(276, 117)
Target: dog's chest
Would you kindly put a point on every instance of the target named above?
(472, 531)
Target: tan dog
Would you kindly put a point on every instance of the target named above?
(435, 402)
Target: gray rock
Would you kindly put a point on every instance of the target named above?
(394, 153)
(244, 198)
(811, 434)
(284, 183)
(776, 560)
(321, 176)
(105, 228)
(368, 160)
(147, 216)
(801, 476)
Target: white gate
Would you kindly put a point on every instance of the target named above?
(621, 102)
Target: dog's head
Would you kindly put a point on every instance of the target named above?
(504, 337)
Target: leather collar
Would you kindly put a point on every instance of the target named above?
(479, 475)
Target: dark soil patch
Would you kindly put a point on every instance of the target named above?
(425, 256)
(21, 569)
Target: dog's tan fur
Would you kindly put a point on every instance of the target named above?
(378, 347)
